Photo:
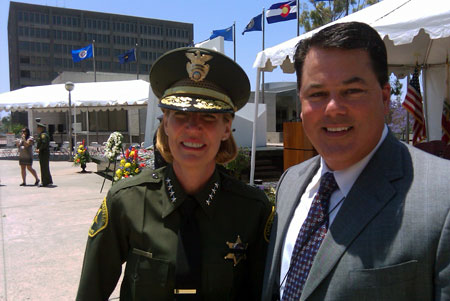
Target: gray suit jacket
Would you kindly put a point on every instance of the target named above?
(390, 239)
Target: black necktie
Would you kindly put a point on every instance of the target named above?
(188, 269)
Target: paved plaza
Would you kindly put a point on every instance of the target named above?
(43, 231)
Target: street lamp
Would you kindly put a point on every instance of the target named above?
(69, 87)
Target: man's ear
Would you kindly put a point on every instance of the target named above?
(386, 94)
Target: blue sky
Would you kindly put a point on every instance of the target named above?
(205, 15)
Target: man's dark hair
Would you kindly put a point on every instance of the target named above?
(351, 35)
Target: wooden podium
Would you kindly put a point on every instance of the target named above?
(297, 147)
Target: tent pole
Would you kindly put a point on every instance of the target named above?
(253, 154)
(96, 125)
(87, 127)
(30, 121)
(74, 125)
(129, 126)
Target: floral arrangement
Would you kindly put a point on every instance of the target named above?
(130, 165)
(82, 155)
(113, 146)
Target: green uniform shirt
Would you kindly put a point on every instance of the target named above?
(138, 223)
(43, 143)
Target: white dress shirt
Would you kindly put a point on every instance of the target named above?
(345, 180)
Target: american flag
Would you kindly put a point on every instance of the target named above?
(446, 122)
(413, 104)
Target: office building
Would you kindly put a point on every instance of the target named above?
(40, 40)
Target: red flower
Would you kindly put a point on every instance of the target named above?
(142, 165)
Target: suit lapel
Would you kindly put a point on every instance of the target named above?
(370, 193)
(288, 197)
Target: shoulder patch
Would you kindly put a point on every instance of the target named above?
(268, 226)
(100, 220)
(42, 136)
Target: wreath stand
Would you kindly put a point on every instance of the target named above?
(106, 170)
(113, 171)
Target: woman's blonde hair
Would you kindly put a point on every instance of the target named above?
(227, 151)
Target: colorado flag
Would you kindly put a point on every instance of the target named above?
(282, 11)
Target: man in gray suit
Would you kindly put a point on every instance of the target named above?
(387, 225)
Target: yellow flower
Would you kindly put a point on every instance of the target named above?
(137, 170)
(122, 162)
(127, 165)
(119, 173)
(80, 151)
(131, 154)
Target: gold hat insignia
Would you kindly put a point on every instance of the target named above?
(197, 68)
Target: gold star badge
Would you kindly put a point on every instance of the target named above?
(237, 250)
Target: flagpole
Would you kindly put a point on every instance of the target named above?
(407, 117)
(234, 39)
(297, 102)
(137, 60)
(263, 23)
(298, 17)
(93, 56)
(255, 118)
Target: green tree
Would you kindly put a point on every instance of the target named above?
(316, 14)
(9, 127)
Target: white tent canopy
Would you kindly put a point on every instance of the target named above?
(87, 96)
(414, 31)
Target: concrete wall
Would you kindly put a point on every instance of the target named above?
(243, 125)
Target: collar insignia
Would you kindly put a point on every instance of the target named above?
(212, 194)
(197, 68)
(237, 250)
(170, 190)
(173, 198)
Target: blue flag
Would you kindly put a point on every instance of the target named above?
(255, 24)
(82, 53)
(226, 33)
(282, 11)
(127, 56)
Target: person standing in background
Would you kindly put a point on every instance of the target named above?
(43, 147)
(25, 146)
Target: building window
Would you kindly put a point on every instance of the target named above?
(24, 60)
(25, 73)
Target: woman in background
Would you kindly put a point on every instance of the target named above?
(25, 145)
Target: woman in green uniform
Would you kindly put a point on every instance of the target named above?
(187, 231)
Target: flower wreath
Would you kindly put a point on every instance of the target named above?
(113, 146)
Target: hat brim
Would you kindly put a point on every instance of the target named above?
(195, 104)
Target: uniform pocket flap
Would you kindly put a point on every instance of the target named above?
(148, 270)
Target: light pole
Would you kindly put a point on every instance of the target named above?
(69, 87)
